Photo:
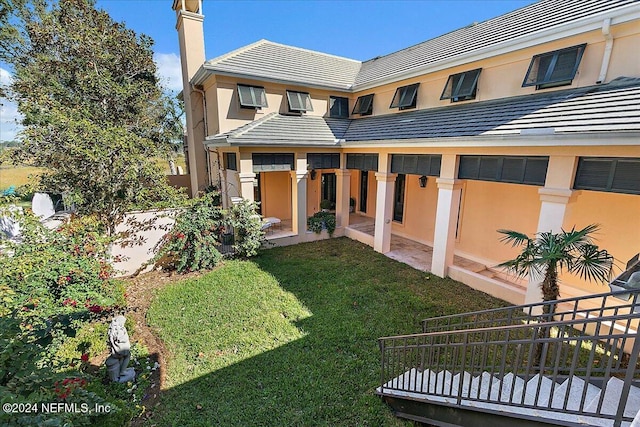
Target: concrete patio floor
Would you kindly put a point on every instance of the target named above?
(419, 255)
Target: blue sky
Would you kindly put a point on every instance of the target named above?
(355, 29)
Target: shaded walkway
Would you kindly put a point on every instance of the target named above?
(419, 256)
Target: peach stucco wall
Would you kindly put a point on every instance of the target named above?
(502, 76)
(618, 216)
(419, 210)
(276, 194)
(489, 206)
(231, 116)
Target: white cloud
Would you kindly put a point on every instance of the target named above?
(9, 116)
(169, 70)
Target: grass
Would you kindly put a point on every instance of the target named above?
(291, 337)
(11, 175)
(17, 175)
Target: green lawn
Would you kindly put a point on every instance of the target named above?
(290, 338)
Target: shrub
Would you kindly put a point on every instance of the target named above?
(322, 221)
(52, 285)
(191, 244)
(200, 230)
(247, 226)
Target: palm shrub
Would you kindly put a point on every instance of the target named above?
(549, 254)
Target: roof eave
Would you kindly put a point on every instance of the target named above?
(206, 71)
(624, 14)
(620, 138)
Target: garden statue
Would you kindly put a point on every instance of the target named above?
(117, 362)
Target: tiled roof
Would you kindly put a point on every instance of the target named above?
(528, 20)
(278, 62)
(280, 129)
(614, 107)
(273, 61)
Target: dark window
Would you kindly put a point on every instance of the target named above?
(515, 169)
(257, 194)
(461, 86)
(338, 107)
(328, 187)
(416, 164)
(617, 175)
(364, 190)
(299, 101)
(252, 96)
(364, 105)
(557, 68)
(230, 161)
(265, 162)
(323, 160)
(363, 162)
(398, 198)
(405, 97)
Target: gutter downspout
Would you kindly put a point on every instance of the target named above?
(608, 47)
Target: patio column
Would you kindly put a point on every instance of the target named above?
(449, 191)
(247, 176)
(299, 195)
(554, 197)
(384, 211)
(343, 189)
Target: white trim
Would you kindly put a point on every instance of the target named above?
(506, 141)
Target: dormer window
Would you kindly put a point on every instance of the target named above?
(252, 96)
(461, 86)
(299, 102)
(339, 107)
(405, 97)
(364, 105)
(552, 69)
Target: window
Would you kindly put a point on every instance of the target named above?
(398, 198)
(405, 97)
(328, 188)
(364, 190)
(299, 101)
(252, 96)
(272, 162)
(557, 68)
(364, 105)
(363, 162)
(461, 86)
(616, 175)
(323, 160)
(338, 107)
(230, 161)
(416, 164)
(515, 169)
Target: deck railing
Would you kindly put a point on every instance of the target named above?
(576, 344)
(588, 306)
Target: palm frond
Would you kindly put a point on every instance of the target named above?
(593, 264)
(515, 238)
(574, 239)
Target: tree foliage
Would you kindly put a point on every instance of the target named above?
(549, 254)
(94, 113)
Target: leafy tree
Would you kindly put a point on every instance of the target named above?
(549, 254)
(94, 113)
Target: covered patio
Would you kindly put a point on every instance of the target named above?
(419, 256)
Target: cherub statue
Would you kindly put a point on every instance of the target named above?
(117, 362)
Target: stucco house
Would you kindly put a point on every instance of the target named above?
(528, 121)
